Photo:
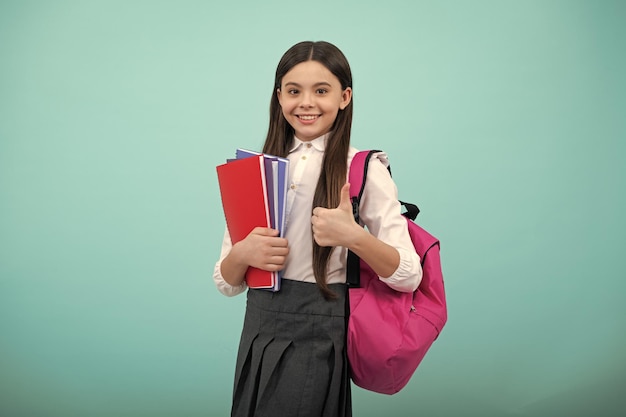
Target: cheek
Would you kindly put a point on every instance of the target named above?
(284, 106)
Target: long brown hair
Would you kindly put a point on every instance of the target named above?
(334, 165)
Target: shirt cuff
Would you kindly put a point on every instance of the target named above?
(408, 275)
(223, 286)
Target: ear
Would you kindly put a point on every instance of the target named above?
(346, 97)
(278, 95)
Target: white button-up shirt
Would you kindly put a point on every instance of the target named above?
(379, 211)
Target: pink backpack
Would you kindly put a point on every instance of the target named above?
(389, 332)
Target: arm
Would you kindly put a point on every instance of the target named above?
(336, 227)
(262, 248)
(385, 245)
(380, 211)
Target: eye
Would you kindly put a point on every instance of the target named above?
(292, 91)
(321, 91)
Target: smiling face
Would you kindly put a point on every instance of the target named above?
(310, 97)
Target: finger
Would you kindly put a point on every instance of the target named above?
(265, 231)
(279, 251)
(318, 211)
(344, 202)
(281, 244)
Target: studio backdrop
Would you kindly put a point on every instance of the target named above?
(503, 120)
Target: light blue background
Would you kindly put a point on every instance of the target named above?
(504, 121)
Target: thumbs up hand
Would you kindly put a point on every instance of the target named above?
(335, 227)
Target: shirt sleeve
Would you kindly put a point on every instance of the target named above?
(223, 286)
(380, 211)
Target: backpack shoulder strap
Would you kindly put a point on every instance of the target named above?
(356, 177)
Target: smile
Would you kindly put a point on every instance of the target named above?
(307, 117)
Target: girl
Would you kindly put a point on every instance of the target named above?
(292, 359)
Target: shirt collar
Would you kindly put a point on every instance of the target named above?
(318, 143)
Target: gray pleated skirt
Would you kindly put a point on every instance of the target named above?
(292, 358)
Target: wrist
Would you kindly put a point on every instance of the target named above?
(358, 239)
(233, 266)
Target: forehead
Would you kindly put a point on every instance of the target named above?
(310, 73)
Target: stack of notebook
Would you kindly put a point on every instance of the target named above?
(253, 187)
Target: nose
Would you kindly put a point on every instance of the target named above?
(306, 100)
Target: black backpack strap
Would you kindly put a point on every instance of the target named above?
(411, 210)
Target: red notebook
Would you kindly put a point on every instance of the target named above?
(244, 199)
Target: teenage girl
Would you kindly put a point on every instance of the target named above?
(292, 358)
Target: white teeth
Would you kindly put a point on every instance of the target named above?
(308, 117)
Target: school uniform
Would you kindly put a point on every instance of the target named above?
(292, 358)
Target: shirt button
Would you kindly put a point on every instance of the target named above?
(303, 157)
(308, 145)
(293, 186)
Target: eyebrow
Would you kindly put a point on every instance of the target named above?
(291, 83)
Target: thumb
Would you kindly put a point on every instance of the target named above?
(344, 202)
